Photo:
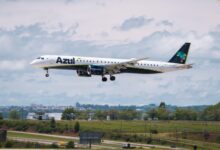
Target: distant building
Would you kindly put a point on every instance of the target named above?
(56, 116)
(45, 116)
(30, 116)
(90, 116)
(108, 118)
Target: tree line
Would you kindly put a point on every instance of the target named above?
(211, 113)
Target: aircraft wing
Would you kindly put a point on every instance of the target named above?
(115, 68)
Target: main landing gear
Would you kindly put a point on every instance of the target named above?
(104, 79)
(112, 78)
(47, 73)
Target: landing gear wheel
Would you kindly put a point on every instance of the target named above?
(112, 78)
(104, 79)
(47, 73)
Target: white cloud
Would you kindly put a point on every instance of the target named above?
(134, 22)
(165, 23)
(92, 18)
(8, 65)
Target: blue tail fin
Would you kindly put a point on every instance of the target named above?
(181, 55)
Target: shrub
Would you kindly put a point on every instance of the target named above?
(149, 140)
(153, 131)
(21, 127)
(54, 145)
(53, 124)
(37, 145)
(8, 144)
(44, 128)
(76, 127)
(29, 145)
(1, 116)
(206, 135)
(70, 144)
(218, 139)
(184, 134)
(115, 136)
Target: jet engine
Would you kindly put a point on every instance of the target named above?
(90, 70)
(83, 73)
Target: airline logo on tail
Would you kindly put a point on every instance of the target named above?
(182, 56)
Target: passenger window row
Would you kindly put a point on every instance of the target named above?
(111, 62)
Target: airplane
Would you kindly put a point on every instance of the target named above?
(88, 66)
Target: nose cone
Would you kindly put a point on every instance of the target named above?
(33, 63)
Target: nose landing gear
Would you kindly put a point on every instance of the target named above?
(47, 73)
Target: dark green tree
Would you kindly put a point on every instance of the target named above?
(162, 105)
(69, 114)
(53, 123)
(128, 114)
(185, 114)
(83, 114)
(114, 114)
(77, 127)
(14, 114)
(163, 113)
(1, 116)
(100, 114)
(211, 113)
(153, 114)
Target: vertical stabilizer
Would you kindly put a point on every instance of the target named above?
(181, 55)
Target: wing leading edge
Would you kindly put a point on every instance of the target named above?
(115, 68)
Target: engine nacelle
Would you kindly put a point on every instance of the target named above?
(96, 70)
(83, 73)
(91, 70)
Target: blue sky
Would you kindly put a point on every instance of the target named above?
(121, 29)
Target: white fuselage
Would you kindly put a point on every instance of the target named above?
(57, 62)
(88, 66)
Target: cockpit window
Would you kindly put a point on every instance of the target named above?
(40, 58)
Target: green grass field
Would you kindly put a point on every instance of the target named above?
(167, 130)
(123, 126)
(145, 126)
(14, 134)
